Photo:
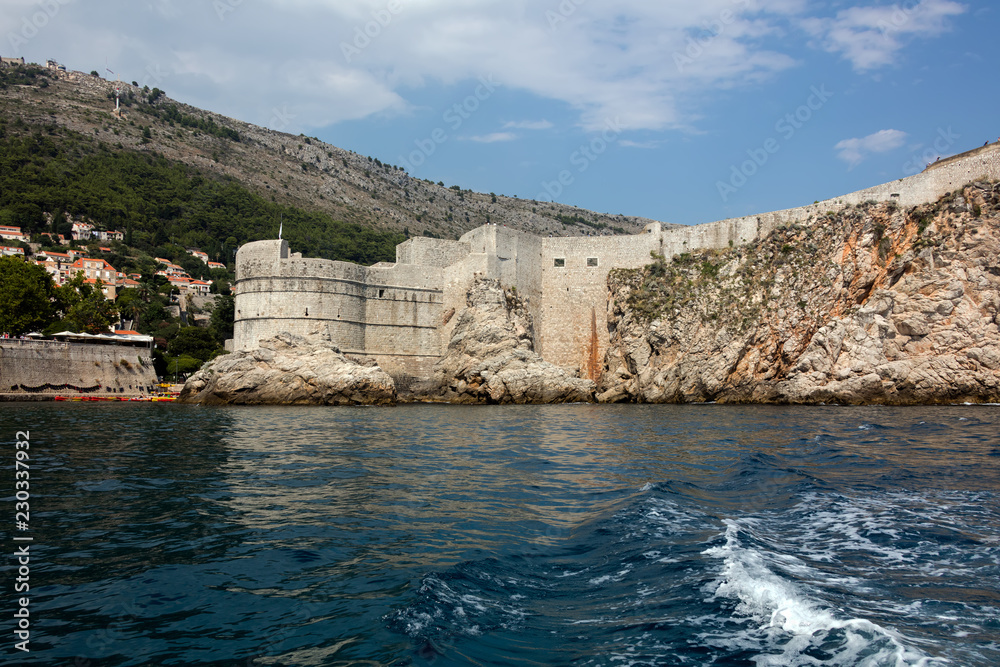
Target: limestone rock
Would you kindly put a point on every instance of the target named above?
(490, 358)
(289, 370)
(871, 305)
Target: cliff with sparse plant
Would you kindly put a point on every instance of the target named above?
(873, 304)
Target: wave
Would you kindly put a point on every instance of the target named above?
(791, 627)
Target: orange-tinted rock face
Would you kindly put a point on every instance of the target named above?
(873, 304)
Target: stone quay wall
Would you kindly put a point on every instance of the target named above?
(118, 369)
(402, 314)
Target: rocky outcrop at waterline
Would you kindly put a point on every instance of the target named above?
(289, 370)
(874, 304)
(491, 359)
(488, 360)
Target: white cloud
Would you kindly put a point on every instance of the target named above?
(492, 138)
(855, 151)
(872, 37)
(527, 125)
(628, 143)
(643, 64)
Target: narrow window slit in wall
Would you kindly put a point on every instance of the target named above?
(560, 262)
(591, 261)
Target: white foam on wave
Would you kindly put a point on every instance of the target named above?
(790, 623)
(618, 576)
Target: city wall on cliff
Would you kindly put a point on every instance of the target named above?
(402, 314)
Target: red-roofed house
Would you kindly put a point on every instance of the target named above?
(11, 233)
(110, 289)
(82, 231)
(58, 264)
(8, 250)
(216, 265)
(203, 256)
(108, 236)
(200, 286)
(96, 269)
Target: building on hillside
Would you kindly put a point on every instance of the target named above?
(216, 265)
(82, 231)
(402, 314)
(9, 233)
(200, 286)
(110, 290)
(58, 264)
(171, 269)
(203, 256)
(11, 251)
(10, 62)
(96, 269)
(103, 235)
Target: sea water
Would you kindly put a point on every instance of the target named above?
(523, 535)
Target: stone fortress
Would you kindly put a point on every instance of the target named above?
(402, 314)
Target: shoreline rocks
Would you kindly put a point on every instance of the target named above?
(491, 358)
(289, 370)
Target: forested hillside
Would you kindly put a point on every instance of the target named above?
(159, 204)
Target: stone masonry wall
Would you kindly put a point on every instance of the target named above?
(929, 185)
(119, 369)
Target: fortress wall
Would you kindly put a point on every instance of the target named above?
(120, 369)
(276, 293)
(404, 306)
(267, 306)
(572, 323)
(425, 251)
(923, 188)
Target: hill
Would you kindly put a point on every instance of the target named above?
(281, 168)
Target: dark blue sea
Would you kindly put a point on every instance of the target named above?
(539, 535)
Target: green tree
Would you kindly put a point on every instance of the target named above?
(93, 313)
(27, 296)
(223, 315)
(193, 341)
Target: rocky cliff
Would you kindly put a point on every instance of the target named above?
(490, 358)
(873, 304)
(289, 370)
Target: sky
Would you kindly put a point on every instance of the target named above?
(683, 112)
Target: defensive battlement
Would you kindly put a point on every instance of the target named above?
(402, 314)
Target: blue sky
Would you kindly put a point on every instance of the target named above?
(678, 111)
